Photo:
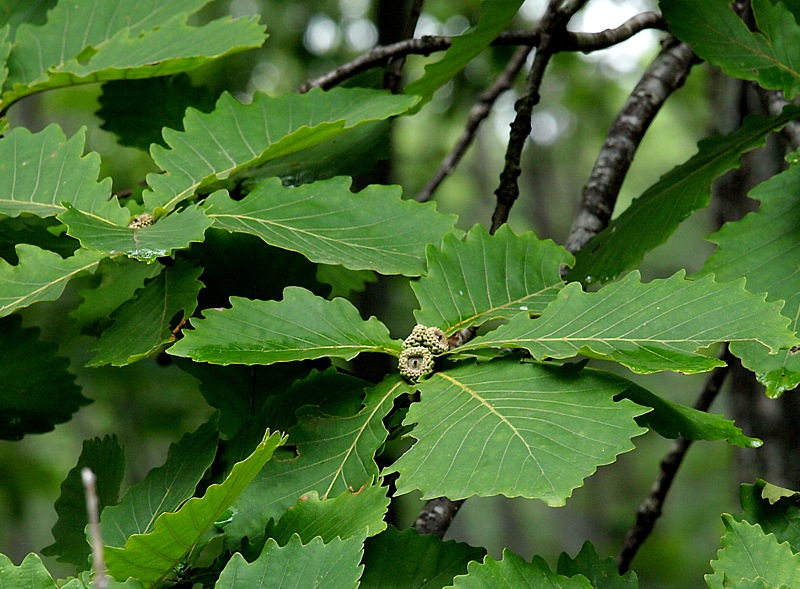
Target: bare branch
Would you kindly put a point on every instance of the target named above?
(477, 115)
(666, 74)
(650, 510)
(393, 74)
(100, 579)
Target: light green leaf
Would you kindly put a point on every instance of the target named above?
(678, 194)
(164, 488)
(223, 144)
(749, 554)
(488, 277)
(146, 322)
(407, 560)
(374, 229)
(16, 12)
(775, 509)
(513, 573)
(41, 275)
(762, 247)
(107, 461)
(602, 574)
(335, 565)
(84, 581)
(109, 40)
(496, 16)
(514, 429)
(151, 557)
(39, 171)
(175, 231)
(31, 573)
(343, 516)
(718, 35)
(5, 49)
(37, 389)
(300, 327)
(648, 327)
(334, 454)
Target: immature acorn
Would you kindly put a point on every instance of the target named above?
(419, 348)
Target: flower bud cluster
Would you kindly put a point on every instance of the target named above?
(419, 348)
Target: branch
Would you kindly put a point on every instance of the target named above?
(393, 74)
(774, 102)
(89, 480)
(650, 510)
(666, 74)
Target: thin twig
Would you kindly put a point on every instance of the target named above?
(477, 114)
(100, 579)
(651, 508)
(394, 73)
(552, 26)
(584, 42)
(666, 74)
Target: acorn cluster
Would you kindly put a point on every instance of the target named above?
(419, 348)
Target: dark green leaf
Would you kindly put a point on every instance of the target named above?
(300, 327)
(107, 461)
(16, 12)
(488, 277)
(513, 572)
(603, 574)
(514, 429)
(778, 516)
(406, 560)
(45, 233)
(146, 322)
(655, 215)
(36, 390)
(31, 573)
(648, 327)
(374, 229)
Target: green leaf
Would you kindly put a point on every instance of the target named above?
(146, 322)
(374, 229)
(31, 573)
(673, 419)
(164, 488)
(514, 429)
(16, 12)
(718, 35)
(603, 574)
(82, 43)
(335, 565)
(407, 560)
(513, 572)
(488, 277)
(119, 279)
(37, 391)
(749, 554)
(84, 581)
(107, 461)
(223, 144)
(648, 327)
(344, 282)
(776, 510)
(762, 248)
(343, 516)
(333, 454)
(5, 49)
(678, 194)
(151, 557)
(39, 171)
(175, 231)
(300, 327)
(136, 111)
(496, 16)
(40, 275)
(46, 233)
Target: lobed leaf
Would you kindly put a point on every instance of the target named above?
(602, 574)
(408, 560)
(648, 327)
(513, 429)
(486, 277)
(300, 327)
(513, 572)
(234, 137)
(335, 564)
(38, 171)
(776, 510)
(31, 573)
(145, 323)
(762, 248)
(678, 194)
(151, 557)
(374, 229)
(5, 50)
(718, 35)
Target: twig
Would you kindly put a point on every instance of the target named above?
(552, 25)
(100, 579)
(585, 42)
(666, 74)
(477, 114)
(650, 510)
(394, 73)
(774, 102)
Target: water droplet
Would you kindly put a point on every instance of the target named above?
(588, 280)
(461, 292)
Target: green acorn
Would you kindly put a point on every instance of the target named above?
(415, 362)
